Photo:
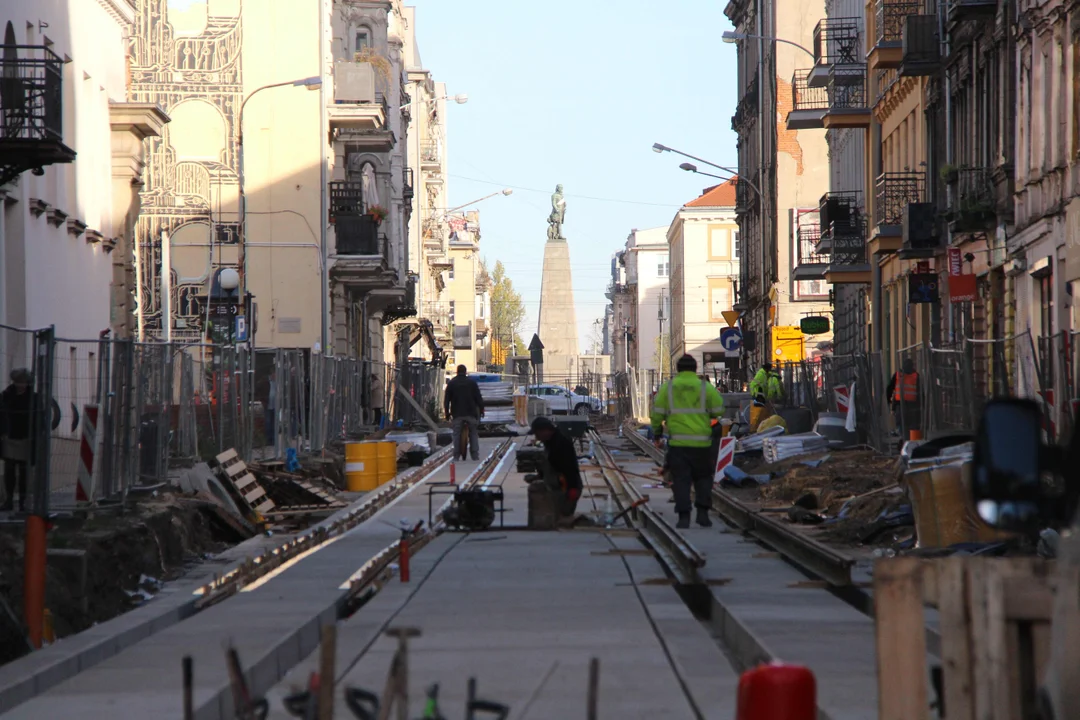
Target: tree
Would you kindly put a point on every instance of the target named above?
(662, 355)
(507, 309)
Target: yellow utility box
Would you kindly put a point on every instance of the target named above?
(787, 344)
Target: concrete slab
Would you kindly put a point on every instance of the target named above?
(269, 623)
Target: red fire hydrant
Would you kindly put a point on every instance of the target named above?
(777, 692)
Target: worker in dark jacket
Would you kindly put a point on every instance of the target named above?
(16, 403)
(562, 458)
(465, 406)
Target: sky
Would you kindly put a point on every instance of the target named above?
(576, 92)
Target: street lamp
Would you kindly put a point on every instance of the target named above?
(734, 37)
(460, 99)
(690, 167)
(658, 148)
(311, 83)
(504, 192)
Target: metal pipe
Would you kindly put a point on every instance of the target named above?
(324, 190)
(166, 287)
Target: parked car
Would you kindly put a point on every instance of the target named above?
(564, 402)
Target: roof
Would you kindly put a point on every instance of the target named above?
(722, 195)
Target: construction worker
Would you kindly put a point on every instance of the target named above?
(687, 404)
(760, 381)
(903, 394)
(774, 391)
(563, 462)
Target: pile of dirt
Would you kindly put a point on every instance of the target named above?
(852, 489)
(127, 557)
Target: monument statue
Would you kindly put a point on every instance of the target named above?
(557, 216)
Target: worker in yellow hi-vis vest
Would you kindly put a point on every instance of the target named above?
(687, 404)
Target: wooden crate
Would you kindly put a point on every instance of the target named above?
(245, 483)
(994, 623)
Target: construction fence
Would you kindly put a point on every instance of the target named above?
(954, 384)
(109, 416)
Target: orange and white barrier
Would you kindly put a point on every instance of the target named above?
(84, 484)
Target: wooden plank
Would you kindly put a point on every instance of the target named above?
(950, 584)
(901, 642)
(229, 454)
(999, 677)
(980, 651)
(236, 468)
(1028, 599)
(416, 406)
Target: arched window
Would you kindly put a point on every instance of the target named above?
(363, 39)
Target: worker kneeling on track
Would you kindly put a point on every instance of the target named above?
(562, 462)
(687, 404)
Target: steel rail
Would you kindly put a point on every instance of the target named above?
(677, 554)
(820, 560)
(256, 567)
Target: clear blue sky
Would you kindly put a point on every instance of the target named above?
(576, 92)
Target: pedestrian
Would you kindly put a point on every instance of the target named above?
(903, 394)
(465, 406)
(563, 462)
(378, 400)
(687, 405)
(16, 406)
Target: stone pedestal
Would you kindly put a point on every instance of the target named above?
(558, 320)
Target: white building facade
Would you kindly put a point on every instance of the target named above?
(71, 165)
(647, 271)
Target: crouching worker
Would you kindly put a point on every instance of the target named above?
(687, 404)
(562, 473)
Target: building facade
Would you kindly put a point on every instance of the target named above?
(618, 319)
(66, 228)
(463, 256)
(704, 249)
(783, 168)
(647, 270)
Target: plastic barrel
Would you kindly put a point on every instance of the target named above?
(777, 692)
(387, 460)
(361, 466)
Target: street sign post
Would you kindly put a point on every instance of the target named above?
(241, 329)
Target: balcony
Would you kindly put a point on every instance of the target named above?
(358, 235)
(808, 104)
(849, 262)
(890, 17)
(836, 44)
(745, 197)
(432, 232)
(839, 213)
(346, 198)
(848, 105)
(408, 189)
(809, 263)
(431, 156)
(921, 54)
(406, 308)
(961, 10)
(31, 110)
(893, 192)
(356, 107)
(747, 110)
(972, 201)
(920, 234)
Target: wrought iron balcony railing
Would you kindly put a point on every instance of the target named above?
(890, 20)
(847, 92)
(840, 212)
(836, 41)
(407, 187)
(848, 245)
(893, 191)
(31, 110)
(359, 235)
(747, 110)
(810, 263)
(972, 200)
(346, 198)
(808, 104)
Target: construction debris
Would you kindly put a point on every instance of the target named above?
(776, 449)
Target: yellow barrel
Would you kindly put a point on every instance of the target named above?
(387, 452)
(361, 466)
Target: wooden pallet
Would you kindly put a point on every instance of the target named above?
(245, 483)
(995, 625)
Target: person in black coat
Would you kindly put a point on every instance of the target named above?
(16, 406)
(562, 458)
(463, 403)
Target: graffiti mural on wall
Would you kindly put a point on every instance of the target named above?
(190, 177)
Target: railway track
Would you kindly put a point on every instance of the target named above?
(813, 557)
(681, 558)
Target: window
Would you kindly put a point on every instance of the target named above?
(452, 313)
(811, 289)
(451, 275)
(735, 244)
(363, 40)
(662, 269)
(1046, 305)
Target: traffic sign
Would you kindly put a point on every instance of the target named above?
(731, 339)
(241, 328)
(731, 316)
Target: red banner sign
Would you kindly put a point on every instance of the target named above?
(956, 262)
